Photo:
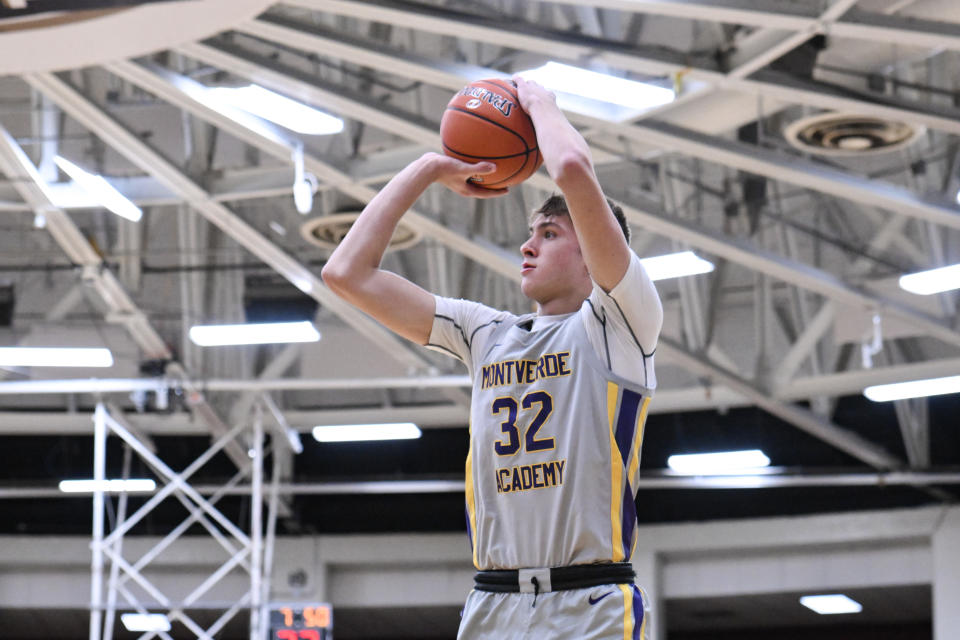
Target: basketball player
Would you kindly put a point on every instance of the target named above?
(559, 397)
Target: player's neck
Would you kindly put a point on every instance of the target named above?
(560, 306)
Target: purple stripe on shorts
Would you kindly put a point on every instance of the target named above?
(637, 613)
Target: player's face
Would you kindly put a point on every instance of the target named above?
(553, 271)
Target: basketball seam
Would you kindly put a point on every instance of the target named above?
(529, 150)
(496, 83)
(488, 185)
(471, 155)
(526, 161)
(495, 123)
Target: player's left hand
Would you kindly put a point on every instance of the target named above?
(456, 175)
(530, 92)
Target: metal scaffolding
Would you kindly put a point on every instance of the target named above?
(130, 585)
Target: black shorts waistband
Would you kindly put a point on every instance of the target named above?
(578, 576)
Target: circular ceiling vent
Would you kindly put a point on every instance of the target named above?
(839, 134)
(328, 231)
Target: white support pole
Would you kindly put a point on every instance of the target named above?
(177, 482)
(271, 539)
(229, 614)
(111, 611)
(195, 515)
(256, 522)
(96, 564)
(216, 577)
(946, 576)
(138, 577)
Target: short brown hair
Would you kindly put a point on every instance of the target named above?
(555, 205)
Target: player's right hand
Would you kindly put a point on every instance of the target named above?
(455, 175)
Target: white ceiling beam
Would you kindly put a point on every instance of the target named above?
(65, 304)
(122, 309)
(746, 62)
(178, 89)
(667, 399)
(129, 385)
(17, 166)
(805, 343)
(229, 185)
(903, 30)
(828, 384)
(427, 134)
(804, 419)
(773, 14)
(794, 170)
(574, 48)
(387, 487)
(50, 423)
(800, 388)
(761, 47)
(277, 367)
(668, 136)
(337, 44)
(140, 154)
(857, 23)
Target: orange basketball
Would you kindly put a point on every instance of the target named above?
(484, 121)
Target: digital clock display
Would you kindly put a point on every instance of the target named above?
(301, 622)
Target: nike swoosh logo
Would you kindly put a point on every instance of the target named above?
(593, 600)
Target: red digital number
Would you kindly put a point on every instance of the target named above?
(310, 634)
(287, 634)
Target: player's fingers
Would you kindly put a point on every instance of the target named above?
(484, 168)
(479, 168)
(473, 191)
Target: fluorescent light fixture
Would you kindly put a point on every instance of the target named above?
(705, 464)
(145, 621)
(913, 389)
(215, 335)
(279, 109)
(55, 357)
(831, 604)
(131, 485)
(931, 281)
(580, 90)
(101, 190)
(365, 432)
(675, 265)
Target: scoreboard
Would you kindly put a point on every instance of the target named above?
(301, 622)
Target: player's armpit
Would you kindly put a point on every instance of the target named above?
(395, 302)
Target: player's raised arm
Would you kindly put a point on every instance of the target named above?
(353, 270)
(568, 161)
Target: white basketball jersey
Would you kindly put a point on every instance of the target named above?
(555, 434)
(554, 452)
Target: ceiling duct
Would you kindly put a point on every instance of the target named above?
(327, 231)
(801, 60)
(839, 134)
